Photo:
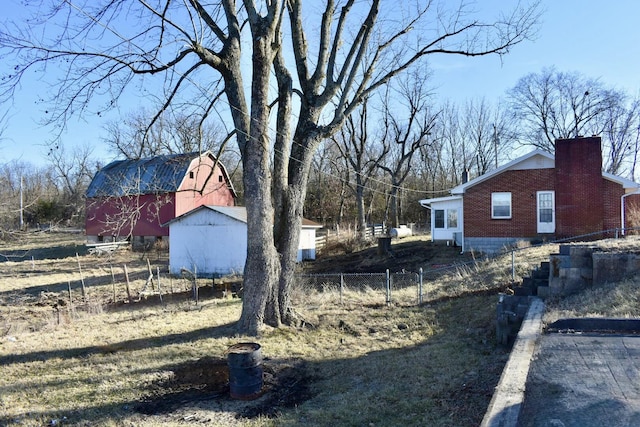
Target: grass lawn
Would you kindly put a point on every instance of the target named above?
(68, 358)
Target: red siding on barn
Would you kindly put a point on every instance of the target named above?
(523, 186)
(134, 215)
(579, 187)
(143, 215)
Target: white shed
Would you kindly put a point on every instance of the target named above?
(213, 241)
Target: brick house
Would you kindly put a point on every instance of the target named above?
(131, 199)
(536, 197)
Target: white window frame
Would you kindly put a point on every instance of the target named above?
(446, 220)
(500, 199)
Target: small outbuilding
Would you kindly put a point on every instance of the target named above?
(212, 241)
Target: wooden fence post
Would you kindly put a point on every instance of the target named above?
(70, 297)
(113, 283)
(84, 291)
(159, 288)
(126, 277)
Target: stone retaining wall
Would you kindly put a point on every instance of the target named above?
(578, 267)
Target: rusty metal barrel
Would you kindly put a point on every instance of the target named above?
(245, 370)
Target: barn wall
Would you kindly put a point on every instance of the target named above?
(124, 216)
(201, 186)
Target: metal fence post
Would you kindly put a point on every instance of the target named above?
(420, 286)
(341, 286)
(513, 266)
(388, 287)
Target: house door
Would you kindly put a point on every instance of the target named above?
(546, 212)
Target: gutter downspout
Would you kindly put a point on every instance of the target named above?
(462, 228)
(622, 209)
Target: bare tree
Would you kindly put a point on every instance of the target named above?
(621, 136)
(553, 104)
(197, 50)
(73, 171)
(173, 133)
(29, 196)
(407, 126)
(360, 154)
(488, 134)
(327, 195)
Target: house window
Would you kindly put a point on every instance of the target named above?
(452, 218)
(501, 205)
(448, 215)
(219, 178)
(191, 174)
(438, 218)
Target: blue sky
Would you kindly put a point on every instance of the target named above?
(598, 39)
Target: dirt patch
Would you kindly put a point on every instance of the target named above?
(406, 254)
(286, 384)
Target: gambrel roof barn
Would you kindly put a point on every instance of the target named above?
(130, 199)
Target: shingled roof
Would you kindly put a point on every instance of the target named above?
(153, 175)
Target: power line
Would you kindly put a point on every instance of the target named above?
(198, 86)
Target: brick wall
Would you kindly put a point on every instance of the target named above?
(612, 193)
(579, 187)
(632, 211)
(523, 185)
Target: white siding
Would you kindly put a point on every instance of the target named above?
(214, 243)
(307, 245)
(447, 232)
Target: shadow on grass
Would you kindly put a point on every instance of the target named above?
(53, 252)
(445, 378)
(225, 330)
(90, 282)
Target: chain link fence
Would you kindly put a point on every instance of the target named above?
(363, 288)
(433, 282)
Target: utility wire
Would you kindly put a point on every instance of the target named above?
(269, 126)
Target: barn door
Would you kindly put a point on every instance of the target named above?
(546, 212)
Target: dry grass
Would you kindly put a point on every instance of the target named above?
(106, 362)
(619, 300)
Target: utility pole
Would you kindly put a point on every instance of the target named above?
(495, 143)
(21, 204)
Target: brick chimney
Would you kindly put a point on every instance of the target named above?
(579, 186)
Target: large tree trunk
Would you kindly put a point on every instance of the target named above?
(289, 222)
(361, 222)
(393, 205)
(262, 268)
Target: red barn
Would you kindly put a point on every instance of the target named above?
(131, 199)
(537, 197)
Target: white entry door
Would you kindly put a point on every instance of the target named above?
(546, 212)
